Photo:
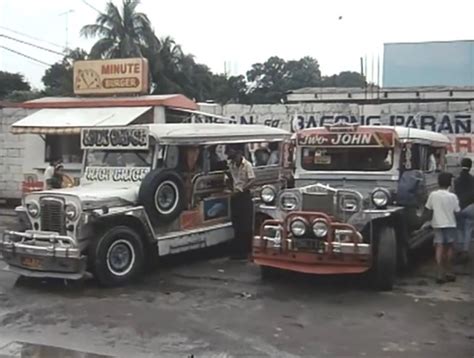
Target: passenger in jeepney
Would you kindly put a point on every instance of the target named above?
(274, 158)
(49, 173)
(243, 177)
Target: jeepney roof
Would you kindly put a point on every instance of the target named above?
(207, 133)
(404, 134)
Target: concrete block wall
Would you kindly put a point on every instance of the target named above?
(12, 154)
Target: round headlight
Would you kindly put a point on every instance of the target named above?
(289, 201)
(380, 198)
(298, 227)
(267, 194)
(33, 209)
(320, 228)
(71, 211)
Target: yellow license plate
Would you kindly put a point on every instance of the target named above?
(31, 262)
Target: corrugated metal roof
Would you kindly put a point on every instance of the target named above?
(71, 120)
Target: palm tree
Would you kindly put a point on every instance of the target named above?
(125, 33)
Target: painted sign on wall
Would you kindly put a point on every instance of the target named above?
(105, 77)
(455, 119)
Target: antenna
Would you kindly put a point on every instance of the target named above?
(66, 15)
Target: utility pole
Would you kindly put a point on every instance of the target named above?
(66, 15)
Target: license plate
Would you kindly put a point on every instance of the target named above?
(31, 262)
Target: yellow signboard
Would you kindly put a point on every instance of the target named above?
(105, 77)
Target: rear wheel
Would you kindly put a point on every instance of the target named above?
(117, 256)
(385, 259)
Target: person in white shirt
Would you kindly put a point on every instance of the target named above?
(49, 173)
(243, 177)
(444, 205)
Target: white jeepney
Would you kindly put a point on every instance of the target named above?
(357, 204)
(145, 191)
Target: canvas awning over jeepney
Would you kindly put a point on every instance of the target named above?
(72, 120)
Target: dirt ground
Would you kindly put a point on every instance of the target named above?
(203, 305)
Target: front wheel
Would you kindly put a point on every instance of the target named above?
(117, 256)
(385, 260)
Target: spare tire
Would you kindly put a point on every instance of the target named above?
(162, 194)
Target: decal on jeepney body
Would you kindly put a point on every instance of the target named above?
(115, 175)
(135, 138)
(347, 139)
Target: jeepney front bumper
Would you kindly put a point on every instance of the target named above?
(341, 251)
(42, 254)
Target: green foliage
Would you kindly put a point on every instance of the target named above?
(344, 79)
(58, 79)
(10, 82)
(271, 80)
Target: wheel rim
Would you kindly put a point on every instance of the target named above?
(166, 197)
(120, 257)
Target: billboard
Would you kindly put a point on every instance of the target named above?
(441, 63)
(106, 77)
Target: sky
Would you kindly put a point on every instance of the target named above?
(242, 32)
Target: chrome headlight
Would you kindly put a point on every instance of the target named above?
(268, 194)
(298, 226)
(380, 198)
(320, 228)
(71, 211)
(289, 201)
(33, 209)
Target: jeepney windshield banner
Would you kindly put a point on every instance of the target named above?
(115, 175)
(115, 138)
(347, 139)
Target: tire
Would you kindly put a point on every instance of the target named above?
(269, 273)
(385, 260)
(117, 257)
(162, 195)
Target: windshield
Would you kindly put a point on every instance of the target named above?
(346, 159)
(119, 158)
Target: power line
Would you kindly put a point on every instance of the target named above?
(22, 54)
(31, 37)
(30, 44)
(92, 7)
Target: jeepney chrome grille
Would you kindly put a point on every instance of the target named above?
(52, 215)
(325, 203)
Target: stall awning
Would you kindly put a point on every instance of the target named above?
(72, 120)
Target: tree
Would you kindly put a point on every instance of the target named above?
(229, 89)
(303, 73)
(271, 80)
(122, 34)
(344, 79)
(58, 79)
(10, 82)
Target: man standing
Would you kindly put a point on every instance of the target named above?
(464, 189)
(243, 177)
(444, 206)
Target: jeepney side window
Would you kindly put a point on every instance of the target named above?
(266, 153)
(216, 157)
(411, 158)
(432, 159)
(67, 148)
